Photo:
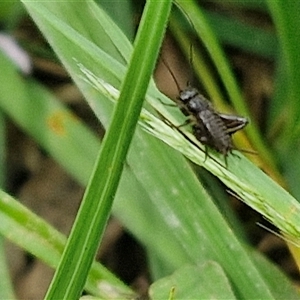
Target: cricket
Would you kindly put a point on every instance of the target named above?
(211, 128)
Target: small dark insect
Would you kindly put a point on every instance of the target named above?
(211, 128)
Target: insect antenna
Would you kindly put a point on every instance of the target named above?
(172, 74)
(191, 55)
(191, 73)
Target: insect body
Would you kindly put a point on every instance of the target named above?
(209, 127)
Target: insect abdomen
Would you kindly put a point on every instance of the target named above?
(217, 135)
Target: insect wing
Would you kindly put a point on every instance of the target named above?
(233, 123)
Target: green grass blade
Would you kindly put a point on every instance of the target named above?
(53, 125)
(284, 121)
(84, 238)
(287, 22)
(124, 17)
(33, 234)
(185, 282)
(237, 33)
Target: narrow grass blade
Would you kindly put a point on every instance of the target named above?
(287, 23)
(84, 238)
